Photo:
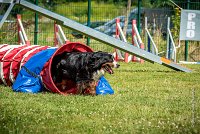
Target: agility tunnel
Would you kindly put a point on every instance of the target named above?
(28, 68)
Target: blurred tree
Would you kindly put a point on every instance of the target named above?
(160, 3)
(128, 9)
(176, 23)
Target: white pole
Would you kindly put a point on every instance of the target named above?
(146, 36)
(136, 41)
(168, 26)
(62, 33)
(173, 45)
(154, 45)
(59, 39)
(137, 34)
(23, 31)
(121, 33)
(21, 38)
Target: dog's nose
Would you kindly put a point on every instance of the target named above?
(118, 65)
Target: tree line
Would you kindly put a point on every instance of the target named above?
(146, 3)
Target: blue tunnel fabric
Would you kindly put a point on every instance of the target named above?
(104, 87)
(28, 79)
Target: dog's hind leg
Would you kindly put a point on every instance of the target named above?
(92, 87)
(80, 87)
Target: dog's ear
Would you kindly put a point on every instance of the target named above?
(97, 65)
(61, 64)
(98, 62)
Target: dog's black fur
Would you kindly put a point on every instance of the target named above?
(83, 68)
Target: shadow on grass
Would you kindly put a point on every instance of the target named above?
(145, 70)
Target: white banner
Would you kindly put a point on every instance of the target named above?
(190, 25)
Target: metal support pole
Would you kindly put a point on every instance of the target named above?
(36, 26)
(186, 42)
(7, 12)
(88, 20)
(139, 15)
(147, 40)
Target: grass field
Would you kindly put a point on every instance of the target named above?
(149, 98)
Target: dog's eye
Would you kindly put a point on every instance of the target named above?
(63, 62)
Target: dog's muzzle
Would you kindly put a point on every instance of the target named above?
(107, 67)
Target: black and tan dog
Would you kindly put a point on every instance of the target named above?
(82, 68)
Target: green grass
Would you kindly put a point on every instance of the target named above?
(100, 11)
(149, 98)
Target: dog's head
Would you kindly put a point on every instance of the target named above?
(105, 61)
